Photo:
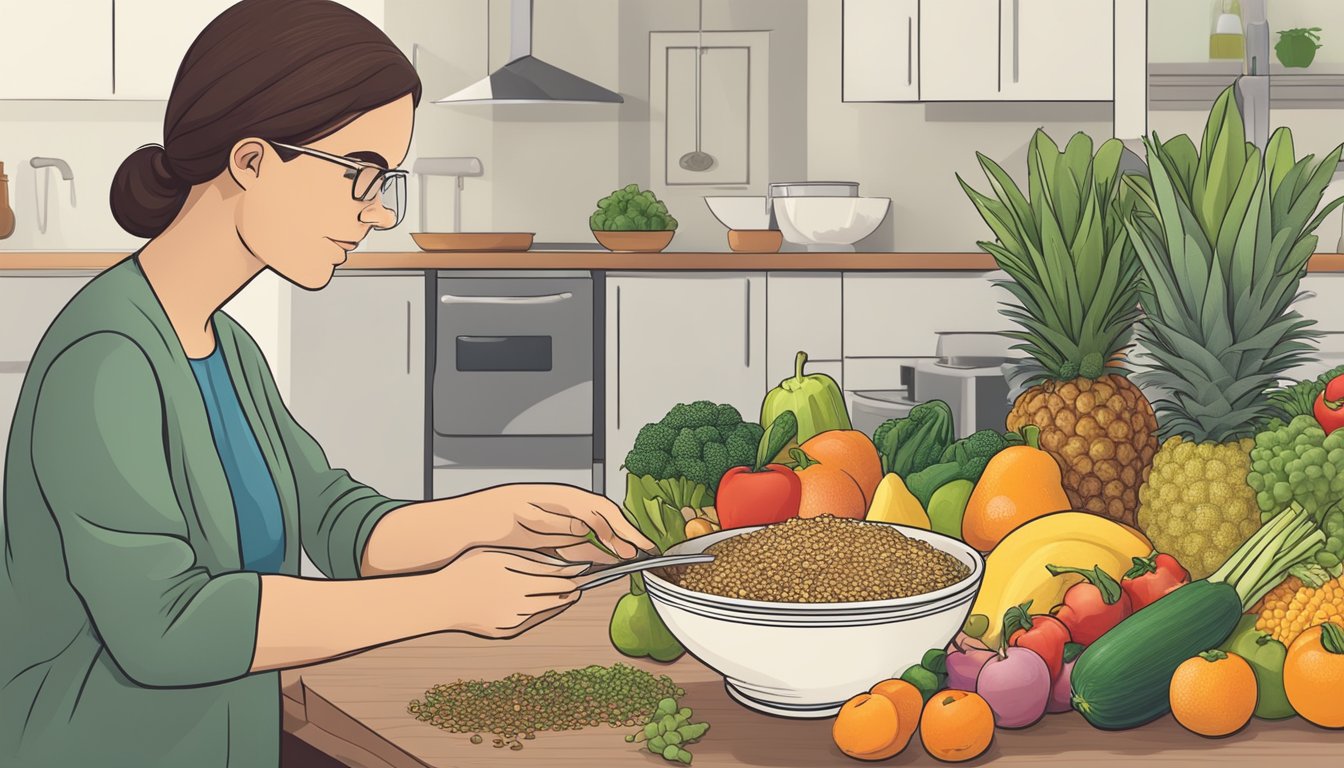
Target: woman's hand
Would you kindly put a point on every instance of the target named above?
(551, 518)
(500, 593)
(555, 519)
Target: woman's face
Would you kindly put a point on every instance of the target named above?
(299, 216)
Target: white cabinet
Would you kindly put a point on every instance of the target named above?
(899, 314)
(56, 50)
(151, 37)
(28, 304)
(959, 58)
(676, 338)
(1016, 50)
(1058, 50)
(880, 50)
(358, 377)
(107, 49)
(803, 313)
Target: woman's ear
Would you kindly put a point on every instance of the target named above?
(245, 161)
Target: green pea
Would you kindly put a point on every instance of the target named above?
(1327, 559)
(657, 744)
(672, 737)
(671, 752)
(693, 731)
(651, 730)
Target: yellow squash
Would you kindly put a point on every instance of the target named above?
(894, 503)
(1015, 571)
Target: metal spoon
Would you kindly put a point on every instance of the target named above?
(605, 574)
(697, 160)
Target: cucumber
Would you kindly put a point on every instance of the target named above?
(1123, 679)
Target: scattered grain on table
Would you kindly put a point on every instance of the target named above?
(517, 706)
(821, 560)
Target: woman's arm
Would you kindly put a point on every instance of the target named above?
(485, 592)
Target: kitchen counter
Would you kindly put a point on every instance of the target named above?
(616, 262)
(355, 710)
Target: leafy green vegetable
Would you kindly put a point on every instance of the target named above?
(1299, 463)
(965, 459)
(907, 445)
(1299, 399)
(696, 442)
(631, 209)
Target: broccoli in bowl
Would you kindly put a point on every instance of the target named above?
(631, 209)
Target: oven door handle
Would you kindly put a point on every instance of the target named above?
(552, 298)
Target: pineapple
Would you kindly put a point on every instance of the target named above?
(1223, 238)
(1075, 277)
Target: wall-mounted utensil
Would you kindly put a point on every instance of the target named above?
(6, 213)
(64, 168)
(698, 160)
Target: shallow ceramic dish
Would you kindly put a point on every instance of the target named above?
(473, 241)
(755, 240)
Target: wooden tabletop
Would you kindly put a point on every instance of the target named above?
(355, 710)
(607, 261)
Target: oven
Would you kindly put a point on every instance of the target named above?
(513, 395)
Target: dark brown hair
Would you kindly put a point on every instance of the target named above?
(284, 70)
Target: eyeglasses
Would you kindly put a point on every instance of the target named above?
(366, 180)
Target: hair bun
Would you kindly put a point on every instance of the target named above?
(146, 195)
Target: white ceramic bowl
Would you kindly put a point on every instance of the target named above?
(804, 660)
(820, 221)
(740, 212)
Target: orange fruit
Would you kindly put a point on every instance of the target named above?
(956, 726)
(827, 490)
(1313, 675)
(867, 727)
(909, 705)
(1213, 694)
(1019, 484)
(851, 451)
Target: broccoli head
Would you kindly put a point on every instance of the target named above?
(909, 444)
(698, 441)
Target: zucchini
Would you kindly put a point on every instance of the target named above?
(1122, 680)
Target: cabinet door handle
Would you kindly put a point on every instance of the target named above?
(1017, 38)
(909, 50)
(618, 356)
(408, 337)
(746, 357)
(552, 298)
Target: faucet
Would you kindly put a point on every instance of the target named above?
(64, 168)
(1252, 88)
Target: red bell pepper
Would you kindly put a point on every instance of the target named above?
(1329, 408)
(1093, 606)
(745, 498)
(1046, 635)
(1151, 578)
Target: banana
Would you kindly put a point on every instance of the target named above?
(1015, 571)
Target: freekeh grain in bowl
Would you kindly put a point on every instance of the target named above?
(821, 560)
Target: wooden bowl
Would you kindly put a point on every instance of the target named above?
(634, 241)
(473, 241)
(755, 240)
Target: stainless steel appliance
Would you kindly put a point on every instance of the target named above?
(513, 380)
(967, 374)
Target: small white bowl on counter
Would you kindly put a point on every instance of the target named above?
(805, 660)
(824, 222)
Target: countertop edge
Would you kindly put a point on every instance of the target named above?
(674, 261)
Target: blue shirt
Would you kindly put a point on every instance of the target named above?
(261, 530)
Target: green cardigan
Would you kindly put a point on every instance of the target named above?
(126, 627)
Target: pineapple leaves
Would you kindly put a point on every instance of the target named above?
(1066, 247)
(1222, 236)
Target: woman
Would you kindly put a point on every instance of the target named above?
(157, 491)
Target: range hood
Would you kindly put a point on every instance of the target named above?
(527, 79)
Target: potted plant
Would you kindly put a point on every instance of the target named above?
(631, 220)
(1297, 47)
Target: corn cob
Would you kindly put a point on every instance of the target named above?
(1294, 607)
